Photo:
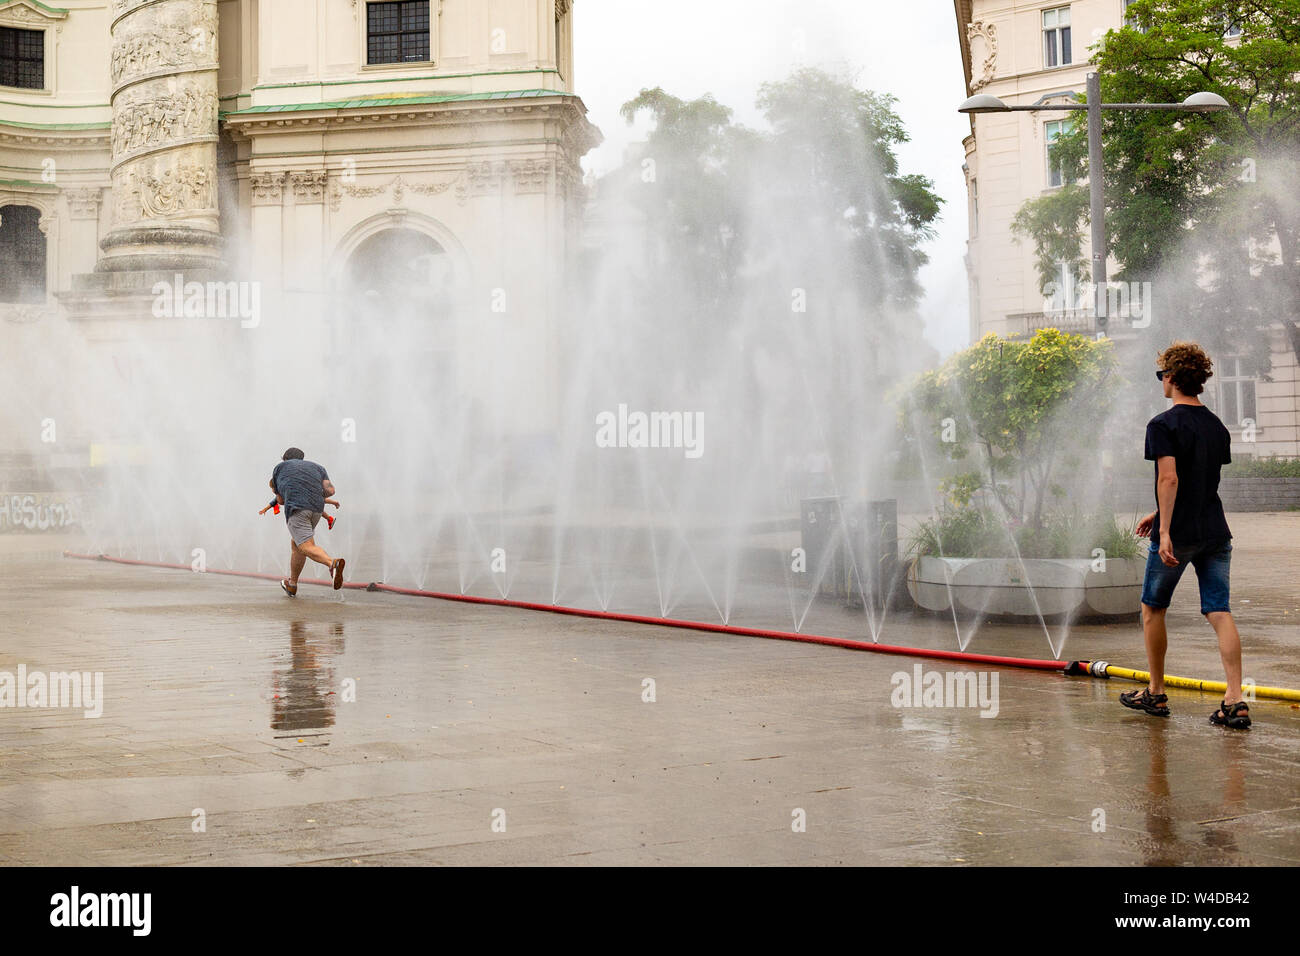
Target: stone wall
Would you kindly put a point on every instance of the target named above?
(1238, 494)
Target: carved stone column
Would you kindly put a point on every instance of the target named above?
(164, 143)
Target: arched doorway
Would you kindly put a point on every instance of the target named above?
(396, 326)
(22, 255)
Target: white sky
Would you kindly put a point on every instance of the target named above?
(729, 47)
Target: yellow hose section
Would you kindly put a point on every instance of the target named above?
(1217, 686)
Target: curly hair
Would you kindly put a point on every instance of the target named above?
(1187, 365)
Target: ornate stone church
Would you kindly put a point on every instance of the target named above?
(403, 154)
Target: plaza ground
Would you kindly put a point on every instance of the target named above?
(224, 697)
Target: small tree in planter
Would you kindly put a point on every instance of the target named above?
(1024, 412)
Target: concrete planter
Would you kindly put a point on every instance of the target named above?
(1029, 588)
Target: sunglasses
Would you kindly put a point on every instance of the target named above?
(1160, 374)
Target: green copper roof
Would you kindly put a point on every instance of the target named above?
(385, 101)
(53, 11)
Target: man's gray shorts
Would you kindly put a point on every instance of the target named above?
(302, 525)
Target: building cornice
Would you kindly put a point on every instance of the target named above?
(962, 8)
(64, 135)
(393, 111)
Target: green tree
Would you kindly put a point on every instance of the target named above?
(848, 139)
(688, 191)
(1024, 409)
(1193, 199)
(828, 162)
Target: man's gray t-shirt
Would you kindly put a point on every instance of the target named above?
(298, 482)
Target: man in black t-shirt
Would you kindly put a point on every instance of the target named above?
(1189, 444)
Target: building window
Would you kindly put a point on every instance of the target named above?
(1056, 37)
(1062, 292)
(397, 32)
(1231, 28)
(1234, 394)
(1056, 175)
(1128, 22)
(974, 208)
(22, 58)
(22, 255)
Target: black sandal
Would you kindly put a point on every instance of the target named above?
(1232, 716)
(1156, 705)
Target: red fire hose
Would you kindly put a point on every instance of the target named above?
(989, 659)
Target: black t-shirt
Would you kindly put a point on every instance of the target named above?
(1200, 444)
(298, 482)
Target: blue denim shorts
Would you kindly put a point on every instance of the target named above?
(1211, 562)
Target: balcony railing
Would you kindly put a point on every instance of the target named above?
(1076, 321)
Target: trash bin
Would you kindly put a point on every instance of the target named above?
(874, 574)
(821, 525)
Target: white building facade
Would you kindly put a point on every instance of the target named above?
(1036, 52)
(303, 145)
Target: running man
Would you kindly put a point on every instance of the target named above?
(302, 486)
(1188, 443)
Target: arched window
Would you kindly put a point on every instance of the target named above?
(22, 255)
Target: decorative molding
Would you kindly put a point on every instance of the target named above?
(530, 175)
(397, 185)
(308, 185)
(983, 39)
(562, 7)
(267, 188)
(24, 13)
(83, 201)
(481, 179)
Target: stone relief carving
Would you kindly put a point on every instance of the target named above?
(161, 48)
(165, 191)
(983, 39)
(139, 122)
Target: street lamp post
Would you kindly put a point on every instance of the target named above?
(1196, 103)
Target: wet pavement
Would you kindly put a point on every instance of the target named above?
(354, 728)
